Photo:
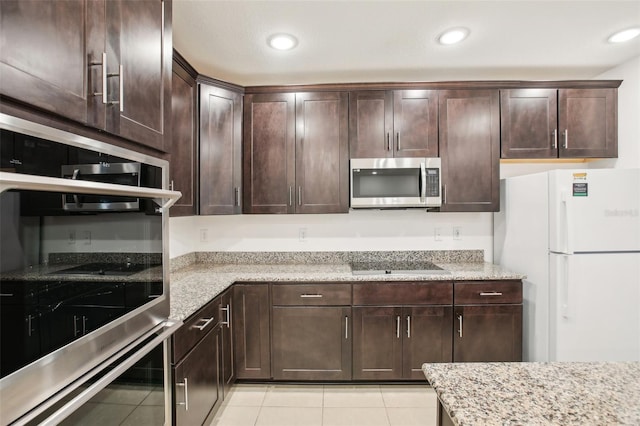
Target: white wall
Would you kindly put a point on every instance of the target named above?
(362, 230)
(395, 230)
(628, 115)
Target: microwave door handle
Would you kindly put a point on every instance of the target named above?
(423, 181)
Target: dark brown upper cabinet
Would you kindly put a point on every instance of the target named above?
(296, 153)
(61, 56)
(183, 166)
(470, 150)
(559, 123)
(220, 150)
(47, 72)
(400, 123)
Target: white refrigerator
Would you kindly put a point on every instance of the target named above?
(576, 235)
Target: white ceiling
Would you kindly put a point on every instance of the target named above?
(344, 41)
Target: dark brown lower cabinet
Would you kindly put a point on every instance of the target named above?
(487, 333)
(251, 316)
(392, 343)
(197, 377)
(311, 342)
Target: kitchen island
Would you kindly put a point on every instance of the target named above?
(569, 393)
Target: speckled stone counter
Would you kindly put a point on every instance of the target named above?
(538, 393)
(192, 286)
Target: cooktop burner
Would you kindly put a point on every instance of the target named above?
(396, 267)
(117, 269)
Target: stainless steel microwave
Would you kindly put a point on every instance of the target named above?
(395, 182)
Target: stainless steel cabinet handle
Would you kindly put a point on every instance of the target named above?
(346, 327)
(388, 142)
(227, 310)
(444, 194)
(311, 296)
(171, 185)
(29, 328)
(121, 88)
(104, 78)
(490, 293)
(290, 195)
(398, 137)
(201, 327)
(75, 325)
(299, 195)
(460, 324)
(6, 294)
(423, 180)
(84, 325)
(555, 138)
(15, 162)
(238, 196)
(398, 327)
(185, 384)
(566, 138)
(409, 327)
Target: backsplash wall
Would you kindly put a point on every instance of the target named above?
(360, 230)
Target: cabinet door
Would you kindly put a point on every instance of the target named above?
(370, 124)
(197, 381)
(322, 153)
(226, 318)
(182, 146)
(251, 331)
(427, 338)
(377, 343)
(529, 123)
(415, 123)
(311, 343)
(469, 148)
(588, 120)
(43, 59)
(487, 333)
(139, 51)
(220, 159)
(269, 153)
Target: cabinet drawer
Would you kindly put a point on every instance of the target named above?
(487, 292)
(404, 293)
(311, 294)
(195, 328)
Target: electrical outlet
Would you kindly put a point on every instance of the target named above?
(302, 235)
(72, 238)
(437, 234)
(86, 238)
(457, 233)
(204, 235)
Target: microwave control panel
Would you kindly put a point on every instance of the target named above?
(433, 182)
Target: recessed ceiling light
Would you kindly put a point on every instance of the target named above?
(282, 41)
(453, 36)
(625, 35)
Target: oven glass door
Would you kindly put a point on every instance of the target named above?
(132, 389)
(383, 183)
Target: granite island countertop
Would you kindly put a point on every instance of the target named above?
(194, 285)
(567, 393)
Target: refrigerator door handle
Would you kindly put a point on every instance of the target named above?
(568, 231)
(564, 288)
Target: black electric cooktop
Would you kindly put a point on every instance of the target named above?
(100, 268)
(396, 267)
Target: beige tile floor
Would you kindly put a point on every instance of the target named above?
(328, 405)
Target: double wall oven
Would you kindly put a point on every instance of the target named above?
(84, 300)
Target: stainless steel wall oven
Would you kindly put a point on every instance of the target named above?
(84, 300)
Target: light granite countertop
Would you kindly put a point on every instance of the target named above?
(196, 284)
(567, 393)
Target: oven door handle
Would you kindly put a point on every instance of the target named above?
(162, 197)
(71, 406)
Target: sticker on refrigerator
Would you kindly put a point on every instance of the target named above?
(580, 189)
